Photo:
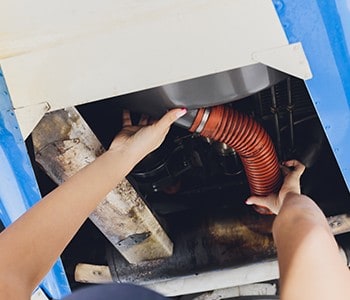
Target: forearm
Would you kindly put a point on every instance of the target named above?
(309, 260)
(298, 211)
(298, 218)
(32, 244)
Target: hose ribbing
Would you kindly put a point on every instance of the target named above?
(250, 141)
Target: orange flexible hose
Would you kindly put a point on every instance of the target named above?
(249, 140)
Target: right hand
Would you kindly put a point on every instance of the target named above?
(292, 171)
(141, 139)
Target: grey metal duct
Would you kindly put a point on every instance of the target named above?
(209, 90)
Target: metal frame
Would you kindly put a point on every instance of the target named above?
(322, 26)
(18, 187)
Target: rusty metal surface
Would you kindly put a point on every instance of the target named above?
(203, 244)
(221, 240)
(63, 144)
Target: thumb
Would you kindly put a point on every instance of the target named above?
(263, 205)
(256, 200)
(299, 168)
(170, 117)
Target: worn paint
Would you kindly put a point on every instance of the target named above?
(18, 187)
(321, 27)
(64, 144)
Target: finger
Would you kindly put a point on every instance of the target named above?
(143, 120)
(151, 121)
(256, 200)
(126, 118)
(299, 168)
(263, 210)
(170, 117)
(263, 205)
(285, 171)
(291, 163)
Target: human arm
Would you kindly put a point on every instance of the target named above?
(310, 264)
(54, 220)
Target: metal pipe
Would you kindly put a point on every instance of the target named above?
(274, 110)
(290, 110)
(259, 104)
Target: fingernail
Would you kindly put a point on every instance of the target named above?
(248, 202)
(181, 112)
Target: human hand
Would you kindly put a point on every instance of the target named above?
(292, 171)
(141, 139)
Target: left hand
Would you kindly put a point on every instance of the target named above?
(292, 171)
(139, 140)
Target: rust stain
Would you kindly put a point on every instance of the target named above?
(245, 234)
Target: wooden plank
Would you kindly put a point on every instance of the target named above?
(63, 144)
(88, 273)
(339, 224)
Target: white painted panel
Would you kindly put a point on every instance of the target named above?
(258, 289)
(220, 279)
(290, 59)
(29, 116)
(184, 41)
(39, 295)
(29, 25)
